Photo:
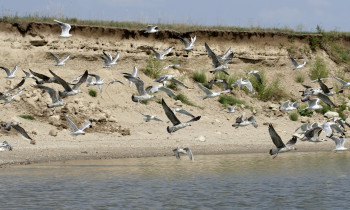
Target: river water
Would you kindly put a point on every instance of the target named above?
(292, 180)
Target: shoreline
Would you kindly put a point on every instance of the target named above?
(21, 157)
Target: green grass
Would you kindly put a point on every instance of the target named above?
(27, 117)
(299, 78)
(184, 99)
(93, 93)
(293, 116)
(226, 100)
(199, 76)
(318, 69)
(340, 110)
(266, 92)
(153, 68)
(305, 112)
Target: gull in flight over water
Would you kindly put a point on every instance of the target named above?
(185, 151)
(188, 45)
(209, 93)
(58, 61)
(296, 65)
(161, 56)
(65, 29)
(55, 98)
(109, 60)
(10, 74)
(77, 131)
(339, 143)
(280, 146)
(174, 120)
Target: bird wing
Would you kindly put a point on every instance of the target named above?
(65, 59)
(182, 111)
(8, 72)
(327, 129)
(61, 81)
(50, 91)
(176, 153)
(184, 41)
(213, 56)
(161, 79)
(337, 129)
(22, 131)
(193, 39)
(194, 119)
(324, 87)
(155, 52)
(284, 105)
(55, 57)
(167, 91)
(17, 86)
(115, 58)
(41, 76)
(167, 51)
(87, 124)
(228, 59)
(252, 120)
(340, 80)
(138, 82)
(226, 53)
(71, 123)
(64, 26)
(204, 89)
(178, 82)
(325, 99)
(276, 139)
(81, 80)
(292, 141)
(248, 85)
(189, 153)
(257, 75)
(239, 119)
(134, 72)
(170, 114)
(293, 61)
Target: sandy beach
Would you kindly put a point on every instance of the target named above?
(118, 129)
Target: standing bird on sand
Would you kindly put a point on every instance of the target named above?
(65, 29)
(280, 146)
(174, 120)
(296, 65)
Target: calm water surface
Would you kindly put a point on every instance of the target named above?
(292, 180)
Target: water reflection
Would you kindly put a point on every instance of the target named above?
(294, 180)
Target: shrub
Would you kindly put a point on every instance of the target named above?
(294, 116)
(27, 117)
(340, 110)
(318, 69)
(184, 99)
(199, 76)
(153, 68)
(305, 112)
(230, 100)
(299, 78)
(92, 93)
(265, 92)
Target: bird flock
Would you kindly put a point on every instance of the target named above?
(334, 130)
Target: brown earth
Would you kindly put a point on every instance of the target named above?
(118, 129)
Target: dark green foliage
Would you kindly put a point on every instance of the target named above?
(27, 117)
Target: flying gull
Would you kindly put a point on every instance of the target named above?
(185, 150)
(240, 82)
(161, 87)
(161, 56)
(148, 118)
(140, 86)
(55, 98)
(287, 106)
(10, 98)
(248, 121)
(280, 146)
(209, 93)
(7, 126)
(151, 29)
(68, 90)
(174, 120)
(65, 29)
(5, 146)
(171, 66)
(218, 66)
(6, 94)
(109, 60)
(188, 45)
(27, 74)
(58, 61)
(182, 111)
(339, 143)
(296, 65)
(256, 74)
(344, 84)
(77, 131)
(10, 74)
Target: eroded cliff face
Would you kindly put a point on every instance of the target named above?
(28, 45)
